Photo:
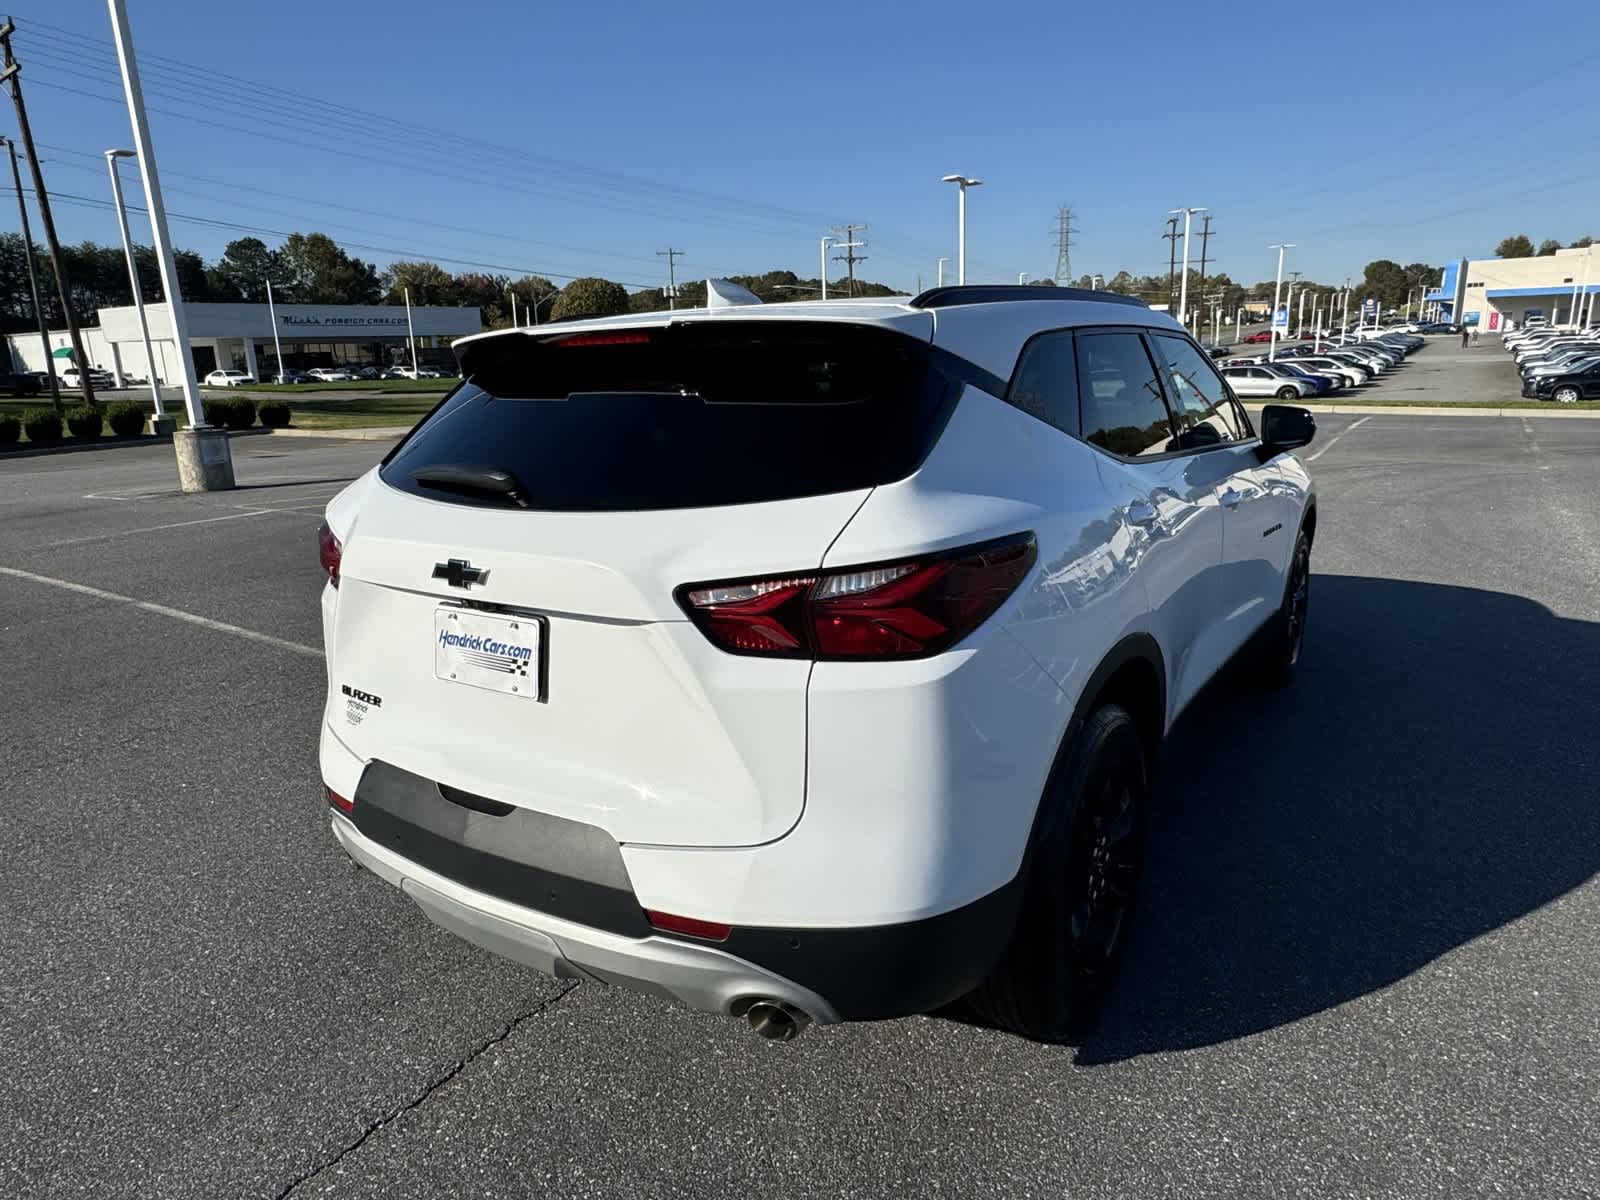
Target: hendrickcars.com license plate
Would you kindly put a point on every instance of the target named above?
(488, 650)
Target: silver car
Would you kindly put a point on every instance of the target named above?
(1262, 379)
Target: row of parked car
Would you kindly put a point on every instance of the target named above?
(230, 378)
(1562, 365)
(1322, 366)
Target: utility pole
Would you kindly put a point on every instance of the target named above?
(1171, 235)
(672, 256)
(1205, 237)
(1183, 280)
(12, 74)
(1064, 232)
(847, 242)
(33, 275)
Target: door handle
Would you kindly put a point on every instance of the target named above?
(1231, 498)
(1141, 512)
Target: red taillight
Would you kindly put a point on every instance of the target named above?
(330, 551)
(712, 931)
(339, 802)
(906, 609)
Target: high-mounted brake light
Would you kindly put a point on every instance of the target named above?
(602, 339)
(907, 609)
(330, 551)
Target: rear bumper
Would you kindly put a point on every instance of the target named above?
(700, 977)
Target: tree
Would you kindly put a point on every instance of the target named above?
(590, 297)
(244, 269)
(1548, 246)
(1387, 281)
(321, 273)
(535, 293)
(428, 283)
(1580, 243)
(1517, 246)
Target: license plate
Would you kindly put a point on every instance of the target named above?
(488, 650)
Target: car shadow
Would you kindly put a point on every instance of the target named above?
(1421, 783)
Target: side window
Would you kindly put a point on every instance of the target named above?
(1046, 383)
(1120, 396)
(1206, 416)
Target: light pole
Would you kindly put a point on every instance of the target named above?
(161, 423)
(411, 337)
(1277, 295)
(513, 296)
(1183, 285)
(33, 277)
(1096, 282)
(205, 461)
(822, 251)
(962, 183)
(277, 346)
(1022, 278)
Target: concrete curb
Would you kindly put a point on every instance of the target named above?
(375, 434)
(110, 443)
(1452, 410)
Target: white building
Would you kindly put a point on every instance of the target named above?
(240, 337)
(1501, 293)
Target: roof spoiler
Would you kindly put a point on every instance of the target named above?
(724, 293)
(992, 293)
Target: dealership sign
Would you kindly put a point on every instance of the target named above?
(296, 321)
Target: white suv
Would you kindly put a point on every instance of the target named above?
(807, 661)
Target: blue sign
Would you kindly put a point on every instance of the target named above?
(1280, 320)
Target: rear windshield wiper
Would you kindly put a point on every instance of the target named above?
(473, 480)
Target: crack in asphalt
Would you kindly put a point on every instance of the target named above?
(433, 1086)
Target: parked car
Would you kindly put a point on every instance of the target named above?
(22, 383)
(1323, 383)
(1216, 351)
(1575, 385)
(1260, 379)
(291, 375)
(71, 377)
(365, 372)
(1258, 337)
(331, 375)
(1348, 374)
(1566, 366)
(228, 379)
(744, 712)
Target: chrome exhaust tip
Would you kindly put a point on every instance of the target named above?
(775, 1020)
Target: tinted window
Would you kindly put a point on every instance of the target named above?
(1046, 384)
(691, 415)
(1120, 395)
(1200, 399)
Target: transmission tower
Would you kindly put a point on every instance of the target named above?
(847, 242)
(1064, 232)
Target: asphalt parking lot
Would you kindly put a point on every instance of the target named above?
(1365, 965)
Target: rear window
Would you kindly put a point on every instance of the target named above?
(687, 416)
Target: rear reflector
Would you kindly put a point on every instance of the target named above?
(907, 609)
(330, 551)
(339, 802)
(711, 931)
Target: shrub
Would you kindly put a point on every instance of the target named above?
(242, 415)
(217, 409)
(274, 414)
(85, 422)
(125, 418)
(42, 425)
(10, 429)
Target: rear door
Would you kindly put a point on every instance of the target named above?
(507, 584)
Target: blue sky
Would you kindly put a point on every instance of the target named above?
(581, 138)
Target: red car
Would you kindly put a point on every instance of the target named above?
(1254, 339)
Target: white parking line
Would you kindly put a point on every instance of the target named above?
(177, 614)
(1335, 438)
(100, 537)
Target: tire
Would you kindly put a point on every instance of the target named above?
(1565, 395)
(1288, 392)
(1081, 890)
(1280, 655)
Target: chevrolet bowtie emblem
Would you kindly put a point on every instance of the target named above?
(458, 572)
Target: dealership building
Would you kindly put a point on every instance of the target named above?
(1494, 294)
(241, 337)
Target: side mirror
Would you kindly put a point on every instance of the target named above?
(1286, 427)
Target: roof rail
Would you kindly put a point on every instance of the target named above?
(993, 293)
